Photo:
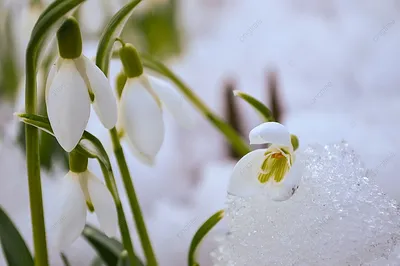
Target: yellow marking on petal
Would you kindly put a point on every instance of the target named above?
(275, 165)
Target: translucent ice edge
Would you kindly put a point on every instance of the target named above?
(337, 217)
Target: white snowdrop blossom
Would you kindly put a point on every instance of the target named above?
(74, 82)
(79, 191)
(274, 168)
(141, 106)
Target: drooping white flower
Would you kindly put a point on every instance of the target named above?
(81, 190)
(274, 168)
(74, 82)
(141, 107)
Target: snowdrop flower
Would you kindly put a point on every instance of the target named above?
(142, 101)
(73, 83)
(274, 168)
(82, 189)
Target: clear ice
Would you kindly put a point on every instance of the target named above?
(337, 217)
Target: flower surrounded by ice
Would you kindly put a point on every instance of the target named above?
(274, 168)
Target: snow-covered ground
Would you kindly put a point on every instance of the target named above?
(337, 63)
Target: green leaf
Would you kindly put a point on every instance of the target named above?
(123, 259)
(256, 104)
(89, 144)
(112, 30)
(14, 247)
(107, 248)
(200, 234)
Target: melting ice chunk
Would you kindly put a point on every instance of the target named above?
(337, 217)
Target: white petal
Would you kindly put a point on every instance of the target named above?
(103, 204)
(68, 105)
(244, 181)
(173, 101)
(52, 73)
(141, 118)
(270, 132)
(104, 102)
(285, 189)
(72, 221)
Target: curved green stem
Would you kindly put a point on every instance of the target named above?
(133, 200)
(53, 12)
(230, 134)
(103, 56)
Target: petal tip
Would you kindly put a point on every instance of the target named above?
(68, 146)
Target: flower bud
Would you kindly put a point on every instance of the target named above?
(131, 61)
(69, 39)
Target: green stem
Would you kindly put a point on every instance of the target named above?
(230, 134)
(53, 12)
(33, 166)
(133, 200)
(123, 226)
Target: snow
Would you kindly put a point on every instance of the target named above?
(337, 217)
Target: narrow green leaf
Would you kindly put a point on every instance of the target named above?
(200, 234)
(112, 30)
(41, 122)
(14, 247)
(107, 248)
(263, 110)
(123, 259)
(230, 134)
(89, 144)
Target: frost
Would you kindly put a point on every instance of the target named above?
(337, 217)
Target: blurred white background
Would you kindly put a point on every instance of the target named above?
(337, 65)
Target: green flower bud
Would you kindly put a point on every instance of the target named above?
(131, 61)
(295, 141)
(77, 162)
(120, 83)
(69, 39)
